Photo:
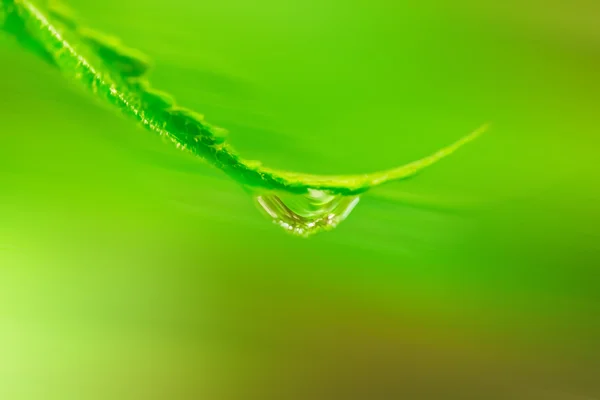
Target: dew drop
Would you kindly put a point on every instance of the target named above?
(306, 214)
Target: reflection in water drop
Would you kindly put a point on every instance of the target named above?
(304, 215)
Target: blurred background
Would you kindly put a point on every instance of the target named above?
(129, 270)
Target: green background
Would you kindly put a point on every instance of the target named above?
(129, 270)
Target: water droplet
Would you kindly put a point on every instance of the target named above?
(307, 214)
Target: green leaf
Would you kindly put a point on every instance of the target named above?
(115, 73)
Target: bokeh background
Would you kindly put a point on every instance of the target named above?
(131, 271)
